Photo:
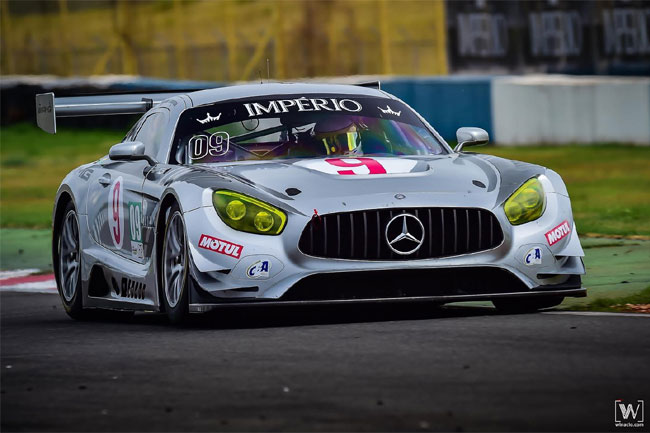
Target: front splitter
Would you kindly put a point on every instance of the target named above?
(575, 293)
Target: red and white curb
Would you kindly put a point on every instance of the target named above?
(23, 280)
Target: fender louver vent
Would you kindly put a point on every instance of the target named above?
(361, 235)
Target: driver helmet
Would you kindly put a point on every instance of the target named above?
(338, 135)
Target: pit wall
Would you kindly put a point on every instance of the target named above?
(534, 109)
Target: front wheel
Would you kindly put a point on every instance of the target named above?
(69, 263)
(526, 305)
(174, 267)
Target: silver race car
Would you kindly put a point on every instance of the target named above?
(301, 193)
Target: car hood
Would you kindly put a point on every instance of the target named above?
(339, 184)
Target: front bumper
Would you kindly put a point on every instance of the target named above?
(434, 285)
(503, 271)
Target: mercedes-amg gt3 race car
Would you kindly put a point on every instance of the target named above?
(301, 193)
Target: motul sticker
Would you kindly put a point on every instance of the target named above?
(116, 213)
(360, 166)
(558, 233)
(220, 246)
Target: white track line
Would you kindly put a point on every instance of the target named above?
(597, 313)
(48, 286)
(16, 273)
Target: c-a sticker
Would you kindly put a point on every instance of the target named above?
(116, 213)
(259, 270)
(533, 256)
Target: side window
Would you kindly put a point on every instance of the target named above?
(152, 131)
(130, 136)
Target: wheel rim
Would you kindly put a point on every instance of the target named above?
(174, 258)
(69, 256)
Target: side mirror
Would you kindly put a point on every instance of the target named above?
(129, 151)
(470, 137)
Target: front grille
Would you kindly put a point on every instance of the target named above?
(361, 235)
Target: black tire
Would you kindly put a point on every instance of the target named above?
(174, 263)
(68, 281)
(526, 305)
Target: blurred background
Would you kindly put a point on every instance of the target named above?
(565, 84)
(231, 40)
(451, 60)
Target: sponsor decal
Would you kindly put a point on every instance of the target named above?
(533, 256)
(374, 167)
(360, 166)
(137, 250)
(558, 233)
(135, 218)
(216, 144)
(389, 111)
(302, 104)
(44, 109)
(259, 270)
(116, 213)
(629, 414)
(209, 119)
(132, 289)
(85, 173)
(135, 225)
(220, 246)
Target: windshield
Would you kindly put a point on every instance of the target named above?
(307, 127)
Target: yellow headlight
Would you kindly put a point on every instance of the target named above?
(236, 210)
(527, 203)
(248, 214)
(263, 221)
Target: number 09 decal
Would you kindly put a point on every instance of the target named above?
(116, 213)
(135, 219)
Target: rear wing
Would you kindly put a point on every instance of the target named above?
(49, 108)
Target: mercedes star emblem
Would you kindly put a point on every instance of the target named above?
(404, 234)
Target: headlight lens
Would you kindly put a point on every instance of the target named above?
(527, 203)
(248, 214)
(236, 210)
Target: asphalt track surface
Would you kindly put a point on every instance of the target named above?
(351, 368)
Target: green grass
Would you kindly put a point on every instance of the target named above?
(617, 304)
(609, 185)
(33, 164)
(26, 249)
